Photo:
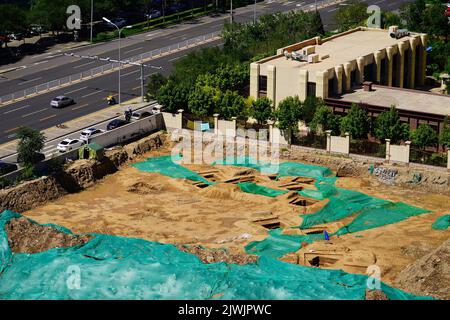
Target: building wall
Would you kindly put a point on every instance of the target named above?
(401, 65)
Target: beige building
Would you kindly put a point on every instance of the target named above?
(332, 66)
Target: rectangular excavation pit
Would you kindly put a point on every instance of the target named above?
(270, 224)
(322, 261)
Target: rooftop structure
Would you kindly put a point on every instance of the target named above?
(332, 66)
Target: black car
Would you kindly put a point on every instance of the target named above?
(6, 168)
(115, 124)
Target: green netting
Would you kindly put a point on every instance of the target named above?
(277, 244)
(167, 167)
(250, 187)
(377, 216)
(283, 169)
(110, 267)
(342, 204)
(442, 223)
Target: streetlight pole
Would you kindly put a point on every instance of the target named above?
(231, 12)
(92, 18)
(254, 13)
(120, 48)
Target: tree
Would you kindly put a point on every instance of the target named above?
(203, 101)
(324, 119)
(30, 144)
(352, 15)
(356, 122)
(12, 18)
(444, 139)
(155, 82)
(424, 136)
(389, 126)
(173, 96)
(261, 110)
(231, 105)
(288, 114)
(309, 108)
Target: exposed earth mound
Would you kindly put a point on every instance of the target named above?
(429, 275)
(25, 236)
(219, 255)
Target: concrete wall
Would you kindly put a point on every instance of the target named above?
(278, 137)
(173, 121)
(397, 153)
(130, 131)
(224, 127)
(287, 81)
(337, 144)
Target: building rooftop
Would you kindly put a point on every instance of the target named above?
(403, 99)
(341, 49)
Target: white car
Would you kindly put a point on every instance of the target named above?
(85, 135)
(69, 144)
(61, 102)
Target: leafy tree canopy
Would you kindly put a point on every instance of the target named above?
(389, 126)
(324, 119)
(356, 122)
(288, 114)
(261, 110)
(31, 142)
(424, 136)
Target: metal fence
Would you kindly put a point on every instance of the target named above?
(54, 84)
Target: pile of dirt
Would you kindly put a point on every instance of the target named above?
(25, 236)
(430, 275)
(376, 295)
(144, 188)
(349, 169)
(219, 255)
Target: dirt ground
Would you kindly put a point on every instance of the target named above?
(132, 203)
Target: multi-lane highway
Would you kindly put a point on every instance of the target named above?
(90, 94)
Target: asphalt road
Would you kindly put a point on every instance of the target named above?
(90, 95)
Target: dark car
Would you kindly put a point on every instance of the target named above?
(6, 167)
(115, 124)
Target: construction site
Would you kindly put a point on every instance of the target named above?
(232, 229)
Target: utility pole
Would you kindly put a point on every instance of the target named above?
(120, 48)
(254, 13)
(126, 62)
(92, 18)
(231, 12)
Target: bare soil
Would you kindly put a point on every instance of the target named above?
(132, 203)
(25, 236)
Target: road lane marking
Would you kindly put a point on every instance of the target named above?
(29, 81)
(32, 113)
(11, 130)
(47, 118)
(14, 110)
(130, 73)
(73, 91)
(85, 64)
(49, 147)
(82, 106)
(177, 58)
(138, 87)
(134, 50)
(91, 94)
(40, 62)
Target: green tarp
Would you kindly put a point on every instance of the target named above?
(442, 223)
(167, 167)
(109, 267)
(250, 187)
